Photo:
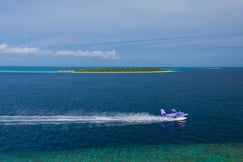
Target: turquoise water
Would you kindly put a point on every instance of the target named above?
(174, 153)
(32, 69)
(25, 71)
(47, 116)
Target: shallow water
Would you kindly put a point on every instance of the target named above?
(172, 153)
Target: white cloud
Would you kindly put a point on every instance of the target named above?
(98, 53)
(6, 49)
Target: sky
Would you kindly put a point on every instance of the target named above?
(121, 33)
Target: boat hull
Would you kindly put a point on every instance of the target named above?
(173, 119)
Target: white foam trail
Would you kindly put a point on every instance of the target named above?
(137, 118)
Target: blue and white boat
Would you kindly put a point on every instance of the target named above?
(174, 116)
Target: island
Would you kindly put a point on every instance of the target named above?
(121, 70)
(116, 70)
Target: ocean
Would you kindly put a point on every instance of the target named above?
(50, 116)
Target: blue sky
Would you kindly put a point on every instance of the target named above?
(121, 33)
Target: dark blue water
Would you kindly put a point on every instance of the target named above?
(213, 98)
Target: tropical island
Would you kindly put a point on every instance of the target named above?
(116, 70)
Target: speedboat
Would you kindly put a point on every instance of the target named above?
(174, 115)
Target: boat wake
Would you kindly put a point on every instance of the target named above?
(120, 119)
